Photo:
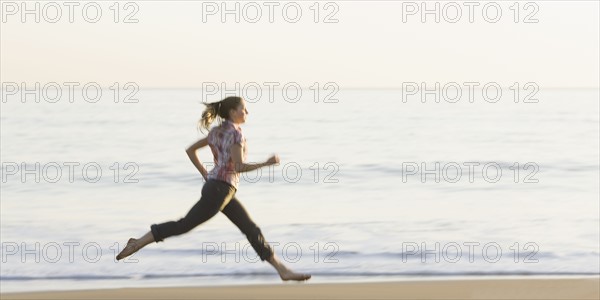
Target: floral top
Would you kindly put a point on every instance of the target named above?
(220, 140)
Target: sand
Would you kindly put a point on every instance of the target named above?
(514, 288)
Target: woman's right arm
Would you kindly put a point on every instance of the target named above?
(191, 152)
(240, 166)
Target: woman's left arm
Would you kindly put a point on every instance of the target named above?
(191, 152)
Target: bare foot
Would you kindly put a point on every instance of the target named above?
(285, 273)
(130, 248)
(289, 275)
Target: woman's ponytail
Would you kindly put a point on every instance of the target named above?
(217, 109)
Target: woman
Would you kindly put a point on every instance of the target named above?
(228, 146)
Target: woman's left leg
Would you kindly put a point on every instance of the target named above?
(236, 212)
(238, 215)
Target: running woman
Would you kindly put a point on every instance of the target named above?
(228, 147)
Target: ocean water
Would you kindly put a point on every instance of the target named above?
(370, 187)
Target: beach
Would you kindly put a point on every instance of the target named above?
(391, 149)
(513, 288)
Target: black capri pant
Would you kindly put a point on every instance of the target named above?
(216, 196)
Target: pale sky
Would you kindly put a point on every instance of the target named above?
(370, 46)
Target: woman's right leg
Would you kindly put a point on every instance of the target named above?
(236, 212)
(214, 194)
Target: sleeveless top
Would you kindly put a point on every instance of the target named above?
(220, 140)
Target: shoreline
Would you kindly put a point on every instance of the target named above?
(522, 287)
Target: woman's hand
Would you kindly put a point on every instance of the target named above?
(273, 160)
(240, 166)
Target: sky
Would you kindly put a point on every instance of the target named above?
(363, 44)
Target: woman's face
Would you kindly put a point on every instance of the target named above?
(238, 115)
